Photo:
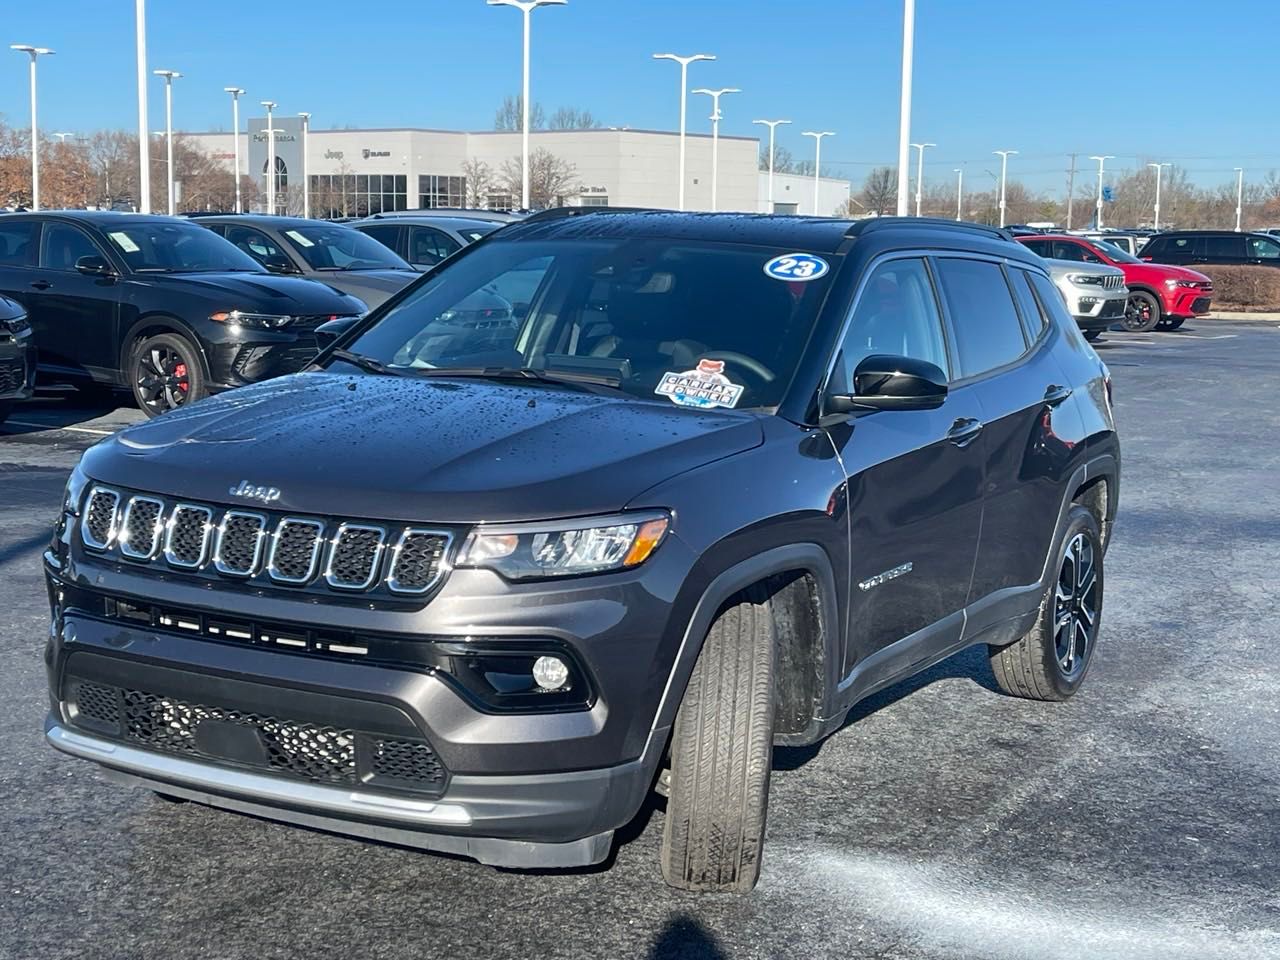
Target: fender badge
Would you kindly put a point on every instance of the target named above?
(885, 577)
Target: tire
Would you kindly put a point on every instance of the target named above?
(721, 756)
(165, 373)
(1042, 665)
(1141, 313)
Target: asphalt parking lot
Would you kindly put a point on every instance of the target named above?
(1139, 820)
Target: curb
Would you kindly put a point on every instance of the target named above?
(1243, 315)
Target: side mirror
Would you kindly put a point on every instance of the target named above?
(94, 266)
(883, 382)
(280, 266)
(329, 332)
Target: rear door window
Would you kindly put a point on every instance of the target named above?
(1066, 250)
(1224, 248)
(984, 321)
(17, 243)
(1040, 247)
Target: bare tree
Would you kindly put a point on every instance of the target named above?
(880, 191)
(510, 115)
(783, 162)
(552, 179)
(571, 118)
(478, 182)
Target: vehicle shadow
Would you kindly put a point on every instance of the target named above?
(54, 409)
(683, 937)
(970, 664)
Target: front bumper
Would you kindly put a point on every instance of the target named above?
(264, 355)
(1097, 311)
(1188, 301)
(17, 368)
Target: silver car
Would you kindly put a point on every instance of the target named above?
(1095, 293)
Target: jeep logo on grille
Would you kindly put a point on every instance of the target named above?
(253, 492)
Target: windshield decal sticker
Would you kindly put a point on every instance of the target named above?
(797, 266)
(123, 241)
(298, 238)
(705, 387)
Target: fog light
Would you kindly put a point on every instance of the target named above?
(550, 673)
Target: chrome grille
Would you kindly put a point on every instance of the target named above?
(295, 550)
(418, 560)
(238, 548)
(356, 556)
(98, 526)
(186, 541)
(1111, 282)
(140, 528)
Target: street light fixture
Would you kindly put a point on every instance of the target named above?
(684, 97)
(62, 137)
(773, 126)
(904, 110)
(920, 172)
(144, 142)
(1239, 194)
(959, 172)
(1097, 220)
(526, 7)
(235, 137)
(271, 157)
(306, 181)
(169, 77)
(817, 160)
(1004, 156)
(715, 96)
(1159, 168)
(33, 53)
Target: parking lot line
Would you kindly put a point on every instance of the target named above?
(47, 426)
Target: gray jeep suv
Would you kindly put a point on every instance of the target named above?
(605, 506)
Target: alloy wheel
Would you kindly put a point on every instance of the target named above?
(1137, 313)
(1075, 608)
(163, 379)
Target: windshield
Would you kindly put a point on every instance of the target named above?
(695, 324)
(335, 247)
(177, 247)
(474, 232)
(1118, 254)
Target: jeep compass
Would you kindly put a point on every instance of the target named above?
(604, 507)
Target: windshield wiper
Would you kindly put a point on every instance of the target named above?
(559, 377)
(367, 364)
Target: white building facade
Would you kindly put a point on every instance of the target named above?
(359, 172)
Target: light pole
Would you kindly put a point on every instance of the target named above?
(33, 53)
(526, 7)
(715, 96)
(169, 77)
(271, 157)
(306, 182)
(920, 172)
(1004, 156)
(904, 112)
(1239, 195)
(62, 137)
(772, 125)
(1159, 168)
(817, 160)
(235, 136)
(959, 172)
(684, 97)
(1097, 219)
(144, 140)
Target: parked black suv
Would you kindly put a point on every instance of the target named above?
(156, 304)
(1184, 247)
(481, 587)
(17, 356)
(333, 253)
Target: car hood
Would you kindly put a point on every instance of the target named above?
(371, 286)
(397, 448)
(264, 292)
(1060, 268)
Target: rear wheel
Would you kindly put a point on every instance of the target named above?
(1050, 662)
(721, 756)
(1141, 313)
(165, 373)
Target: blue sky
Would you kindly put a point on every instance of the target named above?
(1018, 74)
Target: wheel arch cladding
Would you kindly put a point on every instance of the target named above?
(152, 325)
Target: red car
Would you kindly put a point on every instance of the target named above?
(1159, 295)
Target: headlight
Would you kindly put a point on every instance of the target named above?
(527, 551)
(74, 491)
(1086, 279)
(263, 321)
(16, 327)
(1174, 284)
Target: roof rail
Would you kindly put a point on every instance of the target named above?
(884, 223)
(558, 213)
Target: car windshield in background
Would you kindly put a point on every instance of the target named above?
(168, 247)
(698, 325)
(473, 233)
(341, 248)
(1118, 254)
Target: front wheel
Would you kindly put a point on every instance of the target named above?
(1141, 313)
(721, 756)
(1050, 662)
(165, 373)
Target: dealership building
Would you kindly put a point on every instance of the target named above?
(358, 172)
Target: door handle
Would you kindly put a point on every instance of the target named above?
(41, 284)
(964, 431)
(1054, 394)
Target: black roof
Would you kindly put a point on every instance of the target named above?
(264, 220)
(102, 219)
(1205, 233)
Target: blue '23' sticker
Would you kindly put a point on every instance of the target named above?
(797, 266)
